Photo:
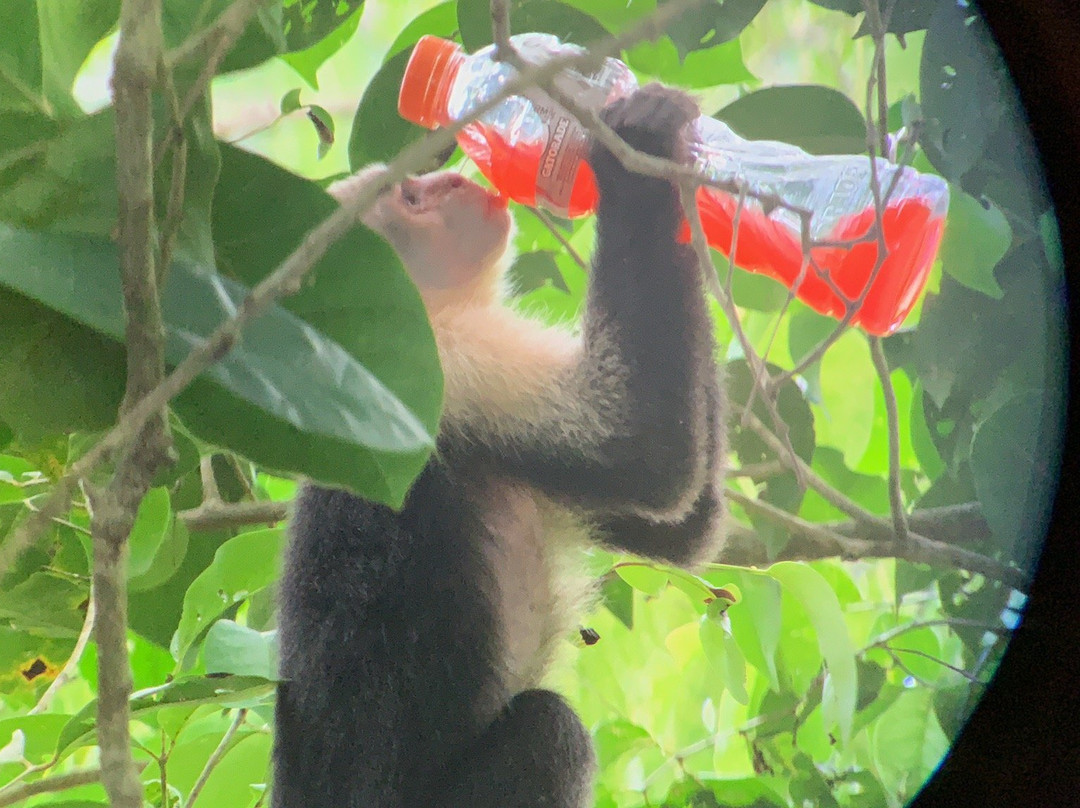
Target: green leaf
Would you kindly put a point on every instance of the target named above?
(643, 577)
(845, 418)
(962, 88)
(1014, 463)
(907, 740)
(190, 691)
(290, 102)
(921, 441)
(293, 374)
(782, 490)
(711, 23)
(232, 648)
(977, 236)
(151, 524)
(39, 731)
(438, 21)
(167, 559)
(324, 127)
(68, 30)
(378, 132)
(359, 296)
(241, 567)
(755, 621)
(307, 23)
(526, 16)
(723, 653)
(64, 182)
(534, 270)
(828, 122)
(19, 479)
(45, 604)
(307, 61)
(722, 64)
(22, 655)
(618, 597)
(823, 609)
(263, 37)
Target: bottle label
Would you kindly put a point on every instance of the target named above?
(567, 141)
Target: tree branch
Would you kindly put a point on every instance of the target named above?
(892, 418)
(215, 757)
(113, 508)
(224, 515)
(68, 671)
(809, 541)
(61, 782)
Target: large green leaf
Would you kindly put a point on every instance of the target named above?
(818, 119)
(358, 294)
(815, 595)
(977, 236)
(661, 60)
(962, 87)
(315, 51)
(307, 22)
(263, 38)
(232, 648)
(378, 132)
(782, 490)
(705, 25)
(43, 47)
(298, 377)
(1014, 462)
(242, 566)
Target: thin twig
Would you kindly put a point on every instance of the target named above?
(224, 515)
(174, 210)
(11, 795)
(215, 757)
(210, 47)
(500, 27)
(553, 228)
(846, 547)
(113, 508)
(758, 368)
(68, 671)
(896, 492)
(832, 495)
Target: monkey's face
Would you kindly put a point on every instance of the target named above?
(447, 230)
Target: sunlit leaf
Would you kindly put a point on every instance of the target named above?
(242, 566)
(823, 609)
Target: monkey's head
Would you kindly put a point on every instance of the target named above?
(449, 232)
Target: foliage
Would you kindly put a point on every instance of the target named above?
(781, 676)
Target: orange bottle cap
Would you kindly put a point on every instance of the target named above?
(421, 99)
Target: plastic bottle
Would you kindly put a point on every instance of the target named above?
(533, 151)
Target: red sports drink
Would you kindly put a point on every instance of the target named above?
(533, 152)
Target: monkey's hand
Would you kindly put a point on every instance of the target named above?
(654, 120)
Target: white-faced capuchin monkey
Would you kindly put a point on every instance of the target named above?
(413, 642)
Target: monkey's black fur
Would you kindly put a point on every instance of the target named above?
(388, 633)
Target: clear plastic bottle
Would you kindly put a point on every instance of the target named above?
(533, 152)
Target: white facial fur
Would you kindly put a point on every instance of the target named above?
(447, 230)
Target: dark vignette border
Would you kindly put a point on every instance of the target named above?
(1022, 745)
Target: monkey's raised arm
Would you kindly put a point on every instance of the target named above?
(624, 421)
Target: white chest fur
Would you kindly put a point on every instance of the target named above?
(540, 589)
